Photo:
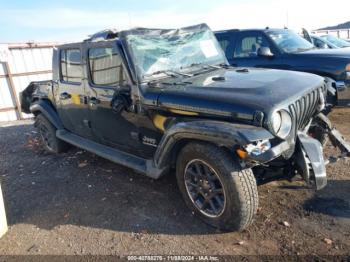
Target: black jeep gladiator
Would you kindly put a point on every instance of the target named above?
(153, 100)
(284, 49)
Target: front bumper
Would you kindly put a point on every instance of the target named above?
(271, 154)
(307, 153)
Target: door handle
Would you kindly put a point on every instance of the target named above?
(93, 101)
(65, 95)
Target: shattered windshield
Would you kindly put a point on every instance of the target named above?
(162, 51)
(289, 41)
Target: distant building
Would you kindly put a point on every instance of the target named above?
(341, 33)
(341, 30)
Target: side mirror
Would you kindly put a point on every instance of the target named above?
(265, 51)
(121, 100)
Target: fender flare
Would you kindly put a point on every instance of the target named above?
(220, 133)
(48, 111)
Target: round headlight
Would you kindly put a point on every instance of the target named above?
(281, 123)
(276, 121)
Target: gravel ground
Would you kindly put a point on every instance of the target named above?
(78, 203)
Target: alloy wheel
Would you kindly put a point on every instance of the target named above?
(205, 188)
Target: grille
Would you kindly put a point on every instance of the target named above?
(304, 108)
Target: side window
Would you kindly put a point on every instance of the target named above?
(248, 46)
(105, 66)
(71, 70)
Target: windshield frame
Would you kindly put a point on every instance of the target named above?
(123, 36)
(272, 32)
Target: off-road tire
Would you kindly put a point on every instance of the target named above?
(47, 133)
(238, 184)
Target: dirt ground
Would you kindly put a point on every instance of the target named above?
(78, 203)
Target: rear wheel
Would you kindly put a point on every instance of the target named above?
(215, 187)
(48, 136)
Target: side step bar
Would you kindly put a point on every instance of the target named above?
(140, 165)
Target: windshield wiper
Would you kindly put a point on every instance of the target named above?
(208, 66)
(170, 73)
(155, 83)
(204, 65)
(183, 83)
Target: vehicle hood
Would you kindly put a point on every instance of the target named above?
(239, 93)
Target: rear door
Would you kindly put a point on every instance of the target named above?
(70, 96)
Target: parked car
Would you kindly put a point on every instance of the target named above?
(322, 43)
(284, 49)
(154, 100)
(317, 41)
(336, 41)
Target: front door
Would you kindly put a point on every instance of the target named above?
(106, 77)
(71, 100)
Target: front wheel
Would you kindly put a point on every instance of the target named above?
(215, 187)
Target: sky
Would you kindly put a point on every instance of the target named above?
(64, 20)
